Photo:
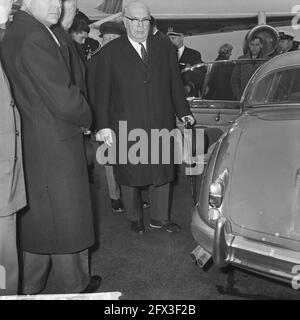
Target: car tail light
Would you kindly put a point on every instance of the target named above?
(216, 195)
(216, 192)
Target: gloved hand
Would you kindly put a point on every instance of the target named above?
(188, 119)
(106, 136)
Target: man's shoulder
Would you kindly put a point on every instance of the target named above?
(191, 51)
(23, 32)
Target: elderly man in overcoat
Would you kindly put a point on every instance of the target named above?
(58, 225)
(138, 81)
(12, 187)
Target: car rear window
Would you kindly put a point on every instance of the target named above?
(276, 88)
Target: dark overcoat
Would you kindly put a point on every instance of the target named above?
(53, 110)
(189, 57)
(73, 60)
(147, 97)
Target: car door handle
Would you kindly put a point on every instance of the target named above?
(218, 117)
(231, 122)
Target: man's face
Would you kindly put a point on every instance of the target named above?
(137, 30)
(107, 37)
(5, 8)
(69, 12)
(46, 11)
(285, 44)
(177, 40)
(255, 47)
(79, 37)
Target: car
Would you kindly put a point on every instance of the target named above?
(212, 102)
(210, 95)
(248, 211)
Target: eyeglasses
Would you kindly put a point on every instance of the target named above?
(135, 21)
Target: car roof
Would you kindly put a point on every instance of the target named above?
(290, 59)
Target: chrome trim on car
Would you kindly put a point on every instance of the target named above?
(220, 252)
(262, 258)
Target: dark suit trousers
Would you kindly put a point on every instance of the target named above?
(71, 271)
(159, 202)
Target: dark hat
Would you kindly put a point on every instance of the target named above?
(173, 31)
(286, 36)
(112, 28)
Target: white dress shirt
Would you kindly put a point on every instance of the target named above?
(137, 46)
(180, 52)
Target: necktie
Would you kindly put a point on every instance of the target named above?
(144, 53)
(178, 55)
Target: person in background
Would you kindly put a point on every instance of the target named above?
(242, 72)
(155, 31)
(224, 52)
(138, 81)
(286, 43)
(57, 228)
(12, 186)
(109, 31)
(186, 56)
(79, 32)
(219, 81)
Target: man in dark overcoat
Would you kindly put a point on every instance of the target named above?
(58, 225)
(138, 81)
(186, 56)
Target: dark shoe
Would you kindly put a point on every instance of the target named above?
(146, 205)
(117, 206)
(167, 226)
(138, 227)
(94, 285)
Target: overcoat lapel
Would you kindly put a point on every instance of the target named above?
(153, 53)
(131, 53)
(66, 54)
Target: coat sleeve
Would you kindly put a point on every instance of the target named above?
(177, 90)
(52, 79)
(102, 90)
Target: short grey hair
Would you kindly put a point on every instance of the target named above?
(125, 8)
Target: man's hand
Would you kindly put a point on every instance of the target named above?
(188, 119)
(106, 136)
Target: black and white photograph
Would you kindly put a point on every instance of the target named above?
(149, 151)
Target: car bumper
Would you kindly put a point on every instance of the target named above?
(278, 263)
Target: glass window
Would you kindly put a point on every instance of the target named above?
(194, 79)
(260, 92)
(276, 88)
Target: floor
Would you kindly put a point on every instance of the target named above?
(157, 265)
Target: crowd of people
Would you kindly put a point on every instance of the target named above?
(58, 86)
